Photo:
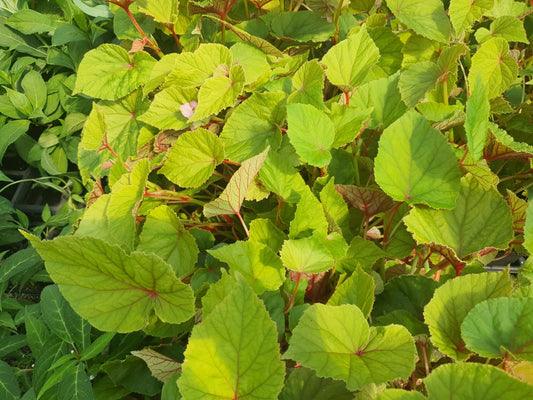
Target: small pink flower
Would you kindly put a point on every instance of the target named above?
(187, 109)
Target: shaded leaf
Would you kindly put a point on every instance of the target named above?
(357, 289)
(161, 366)
(463, 13)
(367, 200)
(303, 383)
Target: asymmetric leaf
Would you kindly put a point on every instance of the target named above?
(367, 200)
(164, 235)
(112, 290)
(480, 219)
(425, 17)
(109, 72)
(475, 381)
(230, 200)
(417, 80)
(361, 253)
(233, 353)
(337, 342)
(161, 366)
(477, 120)
(309, 219)
(253, 60)
(357, 289)
(193, 158)
(311, 132)
(309, 84)
(463, 13)
(500, 327)
(507, 27)
(452, 302)
(349, 122)
(308, 255)
(496, 67)
(407, 171)
(349, 61)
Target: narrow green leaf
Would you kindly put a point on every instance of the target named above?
(357, 289)
(311, 132)
(21, 43)
(11, 343)
(29, 21)
(9, 387)
(36, 332)
(477, 120)
(109, 72)
(463, 13)
(349, 61)
(465, 380)
(230, 201)
(76, 385)
(193, 158)
(337, 342)
(406, 171)
(161, 366)
(452, 302)
(97, 346)
(112, 290)
(234, 352)
(427, 18)
(17, 263)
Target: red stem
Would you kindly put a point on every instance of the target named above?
(387, 228)
(243, 224)
(347, 97)
(176, 38)
(293, 295)
(138, 27)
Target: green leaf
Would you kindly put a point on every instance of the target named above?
(480, 219)
(383, 96)
(163, 11)
(97, 346)
(337, 342)
(109, 72)
(349, 61)
(18, 263)
(357, 289)
(309, 84)
(361, 253)
(400, 394)
(303, 383)
(528, 229)
(507, 8)
(311, 133)
(253, 125)
(36, 332)
(230, 200)
(500, 327)
(193, 158)
(12, 343)
(132, 374)
(164, 235)
(217, 292)
(112, 216)
(253, 60)
(463, 13)
(161, 366)
(303, 26)
(452, 302)
(193, 69)
(265, 232)
(507, 27)
(495, 66)
(219, 92)
(417, 80)
(348, 121)
(62, 320)
(112, 290)
(35, 89)
(9, 387)
(309, 219)
(465, 380)
(425, 17)
(234, 352)
(30, 21)
(258, 264)
(336, 210)
(390, 48)
(406, 171)
(21, 43)
(501, 143)
(165, 110)
(76, 385)
(477, 120)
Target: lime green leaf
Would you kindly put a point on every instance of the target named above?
(311, 133)
(165, 112)
(217, 292)
(349, 121)
(112, 290)
(312, 254)
(357, 289)
(253, 125)
(29, 21)
(500, 327)
(109, 72)
(528, 229)
(309, 219)
(390, 48)
(164, 235)
(234, 352)
(163, 11)
(504, 8)
(22, 43)
(193, 158)
(256, 262)
(252, 59)
(9, 387)
(219, 92)
(161, 366)
(452, 302)
(477, 120)
(265, 232)
(230, 201)
(193, 69)
(400, 394)
(383, 96)
(309, 84)
(465, 380)
(367, 200)
(480, 219)
(111, 217)
(160, 71)
(303, 26)
(361, 253)
(497, 69)
(349, 61)
(507, 27)
(463, 13)
(336, 210)
(337, 342)
(417, 80)
(427, 18)
(303, 383)
(406, 171)
(503, 145)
